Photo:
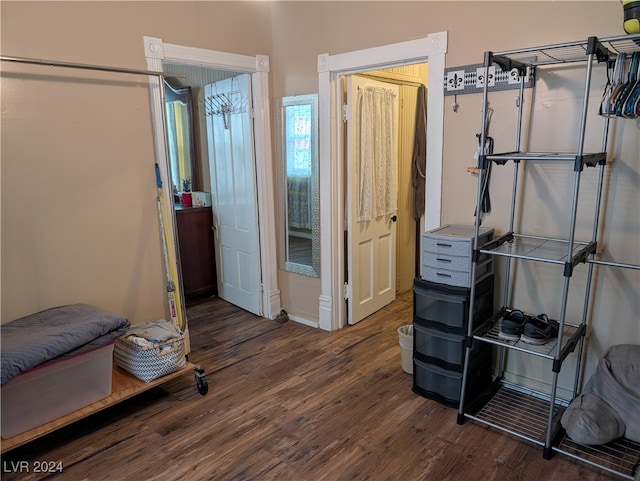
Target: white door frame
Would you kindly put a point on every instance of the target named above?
(157, 52)
(431, 49)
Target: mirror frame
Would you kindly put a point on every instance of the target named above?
(312, 270)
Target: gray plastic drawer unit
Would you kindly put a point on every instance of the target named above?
(456, 278)
(455, 240)
(447, 252)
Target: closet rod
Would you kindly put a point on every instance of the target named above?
(613, 264)
(52, 63)
(381, 78)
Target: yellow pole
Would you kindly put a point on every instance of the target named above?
(175, 306)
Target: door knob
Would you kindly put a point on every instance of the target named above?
(394, 218)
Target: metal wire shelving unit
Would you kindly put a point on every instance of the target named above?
(517, 410)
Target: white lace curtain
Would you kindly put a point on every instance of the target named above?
(375, 153)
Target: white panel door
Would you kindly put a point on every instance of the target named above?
(233, 191)
(371, 246)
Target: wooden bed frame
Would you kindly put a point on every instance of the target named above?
(124, 386)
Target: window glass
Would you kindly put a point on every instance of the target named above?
(298, 139)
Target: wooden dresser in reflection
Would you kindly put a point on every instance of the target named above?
(196, 243)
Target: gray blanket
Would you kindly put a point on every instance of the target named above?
(55, 334)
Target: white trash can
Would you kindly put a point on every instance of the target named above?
(405, 333)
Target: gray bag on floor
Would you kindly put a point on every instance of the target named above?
(609, 407)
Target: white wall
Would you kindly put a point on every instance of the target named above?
(79, 221)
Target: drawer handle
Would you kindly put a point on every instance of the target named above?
(442, 275)
(439, 244)
(440, 259)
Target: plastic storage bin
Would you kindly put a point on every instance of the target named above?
(54, 390)
(447, 307)
(445, 386)
(444, 349)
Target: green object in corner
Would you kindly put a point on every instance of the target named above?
(631, 10)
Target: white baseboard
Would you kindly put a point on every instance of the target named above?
(306, 322)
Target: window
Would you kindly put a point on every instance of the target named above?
(298, 140)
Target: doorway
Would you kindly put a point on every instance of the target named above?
(157, 54)
(232, 172)
(431, 50)
(374, 285)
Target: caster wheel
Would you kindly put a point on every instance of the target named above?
(203, 386)
(201, 381)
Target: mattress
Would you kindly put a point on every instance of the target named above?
(55, 334)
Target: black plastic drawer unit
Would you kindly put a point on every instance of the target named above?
(444, 349)
(446, 308)
(445, 386)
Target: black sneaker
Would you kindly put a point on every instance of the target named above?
(512, 325)
(539, 330)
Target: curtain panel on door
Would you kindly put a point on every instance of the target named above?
(377, 184)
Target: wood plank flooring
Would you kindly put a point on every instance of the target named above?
(288, 402)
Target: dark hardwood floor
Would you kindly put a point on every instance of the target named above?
(289, 402)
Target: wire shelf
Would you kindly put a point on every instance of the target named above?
(588, 159)
(621, 456)
(524, 413)
(521, 412)
(572, 51)
(546, 350)
(538, 249)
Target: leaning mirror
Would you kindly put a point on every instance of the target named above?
(298, 125)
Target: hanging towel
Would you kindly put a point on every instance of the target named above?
(375, 156)
(419, 165)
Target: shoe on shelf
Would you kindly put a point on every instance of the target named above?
(539, 330)
(512, 325)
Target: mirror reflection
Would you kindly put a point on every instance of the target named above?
(299, 158)
(179, 135)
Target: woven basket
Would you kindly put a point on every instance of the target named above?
(149, 363)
